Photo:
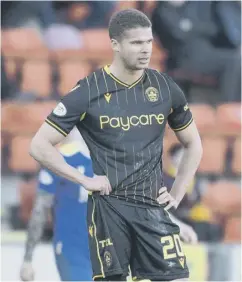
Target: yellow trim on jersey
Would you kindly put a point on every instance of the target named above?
(95, 235)
(183, 127)
(75, 87)
(83, 116)
(56, 127)
(97, 276)
(107, 70)
(142, 280)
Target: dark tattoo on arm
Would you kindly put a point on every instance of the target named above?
(43, 202)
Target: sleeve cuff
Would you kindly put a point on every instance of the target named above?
(51, 123)
(184, 126)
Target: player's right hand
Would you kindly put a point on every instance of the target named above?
(98, 183)
(27, 272)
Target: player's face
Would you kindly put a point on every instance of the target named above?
(135, 48)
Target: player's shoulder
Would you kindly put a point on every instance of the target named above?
(163, 77)
(159, 74)
(91, 79)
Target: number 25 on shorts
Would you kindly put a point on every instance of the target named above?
(169, 242)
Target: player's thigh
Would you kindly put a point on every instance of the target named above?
(158, 253)
(109, 239)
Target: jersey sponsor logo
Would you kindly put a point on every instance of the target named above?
(60, 110)
(107, 97)
(108, 258)
(152, 94)
(127, 122)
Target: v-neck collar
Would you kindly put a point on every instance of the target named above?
(107, 70)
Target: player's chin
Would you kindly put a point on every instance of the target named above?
(141, 66)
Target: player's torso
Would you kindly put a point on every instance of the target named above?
(124, 126)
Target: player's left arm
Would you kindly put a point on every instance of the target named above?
(190, 139)
(182, 123)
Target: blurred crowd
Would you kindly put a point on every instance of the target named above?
(51, 20)
(202, 39)
(198, 43)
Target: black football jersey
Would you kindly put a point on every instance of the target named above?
(123, 126)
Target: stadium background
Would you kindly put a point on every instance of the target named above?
(46, 48)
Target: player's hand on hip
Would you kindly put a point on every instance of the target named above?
(187, 234)
(166, 198)
(27, 272)
(98, 183)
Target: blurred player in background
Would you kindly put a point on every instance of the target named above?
(121, 111)
(69, 202)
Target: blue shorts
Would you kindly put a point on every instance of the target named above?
(73, 267)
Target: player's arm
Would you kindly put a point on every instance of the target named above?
(190, 139)
(43, 202)
(43, 150)
(181, 121)
(59, 123)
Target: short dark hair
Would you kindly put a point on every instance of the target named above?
(126, 19)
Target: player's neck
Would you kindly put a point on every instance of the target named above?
(123, 74)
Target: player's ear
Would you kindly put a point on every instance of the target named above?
(115, 45)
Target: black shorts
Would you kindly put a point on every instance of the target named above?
(123, 235)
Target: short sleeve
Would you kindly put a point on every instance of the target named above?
(180, 116)
(47, 181)
(70, 110)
